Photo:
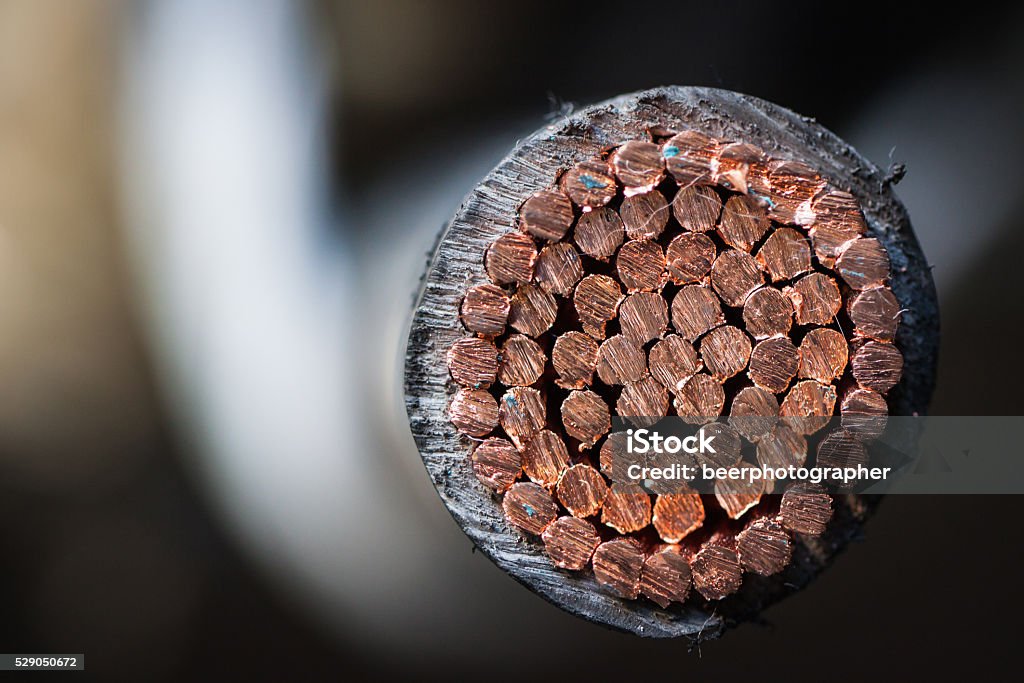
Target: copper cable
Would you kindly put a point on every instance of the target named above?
(676, 275)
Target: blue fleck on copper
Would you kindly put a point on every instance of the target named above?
(529, 510)
(592, 183)
(670, 151)
(511, 401)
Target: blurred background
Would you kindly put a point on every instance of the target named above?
(213, 216)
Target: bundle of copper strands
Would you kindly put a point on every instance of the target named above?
(674, 276)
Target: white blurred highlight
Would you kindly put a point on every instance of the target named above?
(260, 319)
